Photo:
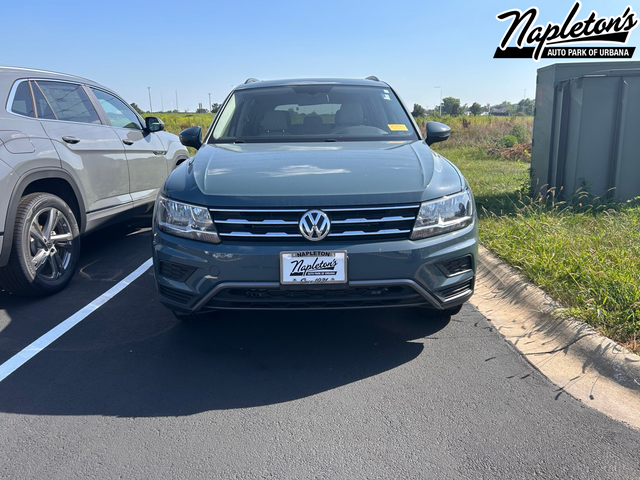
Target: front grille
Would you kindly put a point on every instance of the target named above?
(355, 297)
(366, 223)
(456, 266)
(175, 271)
(455, 291)
(176, 296)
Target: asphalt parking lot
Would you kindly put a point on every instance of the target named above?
(130, 392)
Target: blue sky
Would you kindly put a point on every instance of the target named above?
(200, 47)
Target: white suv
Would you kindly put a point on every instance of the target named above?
(73, 157)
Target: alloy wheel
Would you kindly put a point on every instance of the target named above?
(50, 243)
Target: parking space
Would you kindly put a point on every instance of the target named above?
(132, 392)
(107, 257)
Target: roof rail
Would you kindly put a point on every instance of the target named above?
(251, 80)
(373, 77)
(44, 71)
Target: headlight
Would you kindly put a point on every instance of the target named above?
(184, 220)
(443, 215)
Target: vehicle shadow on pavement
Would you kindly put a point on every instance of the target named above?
(136, 360)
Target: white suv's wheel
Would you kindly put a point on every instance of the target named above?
(46, 247)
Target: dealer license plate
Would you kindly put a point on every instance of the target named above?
(313, 267)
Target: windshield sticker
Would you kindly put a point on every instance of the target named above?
(386, 97)
(397, 127)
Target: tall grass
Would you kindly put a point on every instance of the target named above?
(176, 122)
(481, 130)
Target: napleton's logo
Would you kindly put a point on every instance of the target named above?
(559, 40)
(314, 225)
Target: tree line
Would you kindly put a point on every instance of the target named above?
(451, 106)
(214, 109)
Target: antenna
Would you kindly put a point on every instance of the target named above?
(251, 80)
(373, 77)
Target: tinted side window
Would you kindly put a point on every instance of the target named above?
(42, 106)
(22, 101)
(68, 102)
(117, 111)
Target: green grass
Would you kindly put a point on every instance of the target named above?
(586, 253)
(589, 259)
(481, 130)
(176, 122)
(495, 182)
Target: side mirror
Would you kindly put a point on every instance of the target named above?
(191, 137)
(437, 132)
(154, 124)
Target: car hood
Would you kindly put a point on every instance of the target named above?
(313, 174)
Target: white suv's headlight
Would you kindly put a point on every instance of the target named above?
(443, 215)
(184, 220)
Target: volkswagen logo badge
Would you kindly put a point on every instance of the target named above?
(314, 225)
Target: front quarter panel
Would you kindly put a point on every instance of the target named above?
(180, 180)
(439, 158)
(175, 150)
(446, 178)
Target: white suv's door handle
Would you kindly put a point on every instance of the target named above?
(127, 142)
(72, 140)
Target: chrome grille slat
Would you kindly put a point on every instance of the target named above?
(258, 210)
(387, 221)
(372, 220)
(240, 221)
(283, 234)
(360, 232)
(262, 235)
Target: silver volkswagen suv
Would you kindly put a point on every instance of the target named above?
(316, 193)
(73, 157)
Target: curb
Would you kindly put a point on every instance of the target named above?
(583, 363)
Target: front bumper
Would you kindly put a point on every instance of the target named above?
(195, 276)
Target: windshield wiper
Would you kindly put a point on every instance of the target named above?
(331, 140)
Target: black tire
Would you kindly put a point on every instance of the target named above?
(43, 259)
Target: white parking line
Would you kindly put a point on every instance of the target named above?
(27, 353)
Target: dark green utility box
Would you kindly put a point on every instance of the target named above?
(586, 130)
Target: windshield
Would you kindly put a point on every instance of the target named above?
(312, 113)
